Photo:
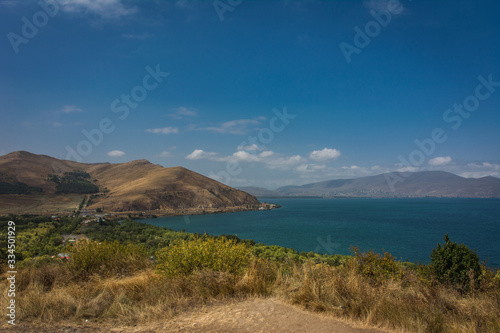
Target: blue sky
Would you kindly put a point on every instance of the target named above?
(255, 93)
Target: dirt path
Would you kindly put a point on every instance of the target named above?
(253, 315)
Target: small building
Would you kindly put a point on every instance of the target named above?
(62, 256)
(73, 238)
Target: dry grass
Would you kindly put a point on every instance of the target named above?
(52, 294)
(407, 304)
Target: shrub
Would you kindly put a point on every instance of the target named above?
(37, 261)
(275, 252)
(105, 258)
(375, 265)
(183, 257)
(455, 264)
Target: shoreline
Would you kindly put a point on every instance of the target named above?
(146, 214)
(142, 215)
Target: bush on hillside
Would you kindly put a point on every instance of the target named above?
(377, 266)
(183, 257)
(105, 258)
(455, 264)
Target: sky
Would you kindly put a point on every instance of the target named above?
(255, 93)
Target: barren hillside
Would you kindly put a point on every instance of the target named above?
(44, 183)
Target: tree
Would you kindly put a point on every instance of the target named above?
(455, 264)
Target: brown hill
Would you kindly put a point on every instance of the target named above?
(133, 186)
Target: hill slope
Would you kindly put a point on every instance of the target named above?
(406, 184)
(133, 186)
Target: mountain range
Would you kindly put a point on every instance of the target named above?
(31, 183)
(394, 184)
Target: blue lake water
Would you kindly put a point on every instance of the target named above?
(407, 228)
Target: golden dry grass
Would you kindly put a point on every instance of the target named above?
(52, 294)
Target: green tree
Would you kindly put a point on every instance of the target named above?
(455, 264)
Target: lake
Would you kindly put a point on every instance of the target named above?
(407, 228)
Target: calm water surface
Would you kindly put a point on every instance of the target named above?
(407, 228)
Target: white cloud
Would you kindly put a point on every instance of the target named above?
(182, 112)
(109, 9)
(447, 164)
(199, 154)
(310, 172)
(478, 174)
(440, 160)
(239, 126)
(165, 154)
(408, 169)
(116, 153)
(478, 170)
(70, 109)
(242, 156)
(163, 130)
(352, 167)
(252, 147)
(57, 124)
(271, 160)
(268, 158)
(324, 155)
(245, 156)
(284, 162)
(266, 153)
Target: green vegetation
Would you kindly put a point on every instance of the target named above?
(73, 182)
(18, 188)
(112, 278)
(456, 264)
(283, 254)
(379, 266)
(151, 237)
(105, 258)
(36, 236)
(219, 255)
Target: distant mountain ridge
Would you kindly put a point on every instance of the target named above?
(133, 186)
(404, 184)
